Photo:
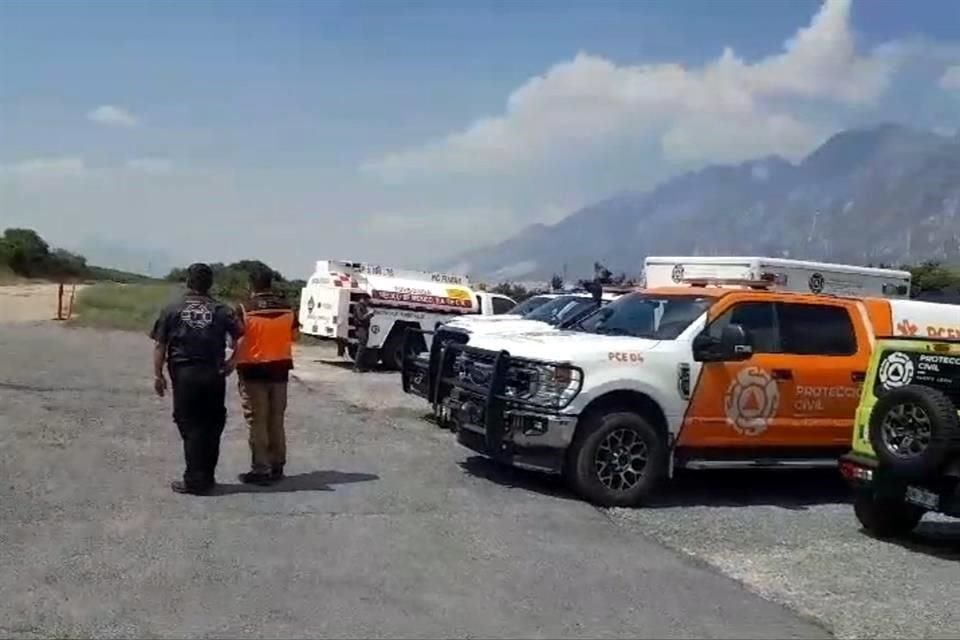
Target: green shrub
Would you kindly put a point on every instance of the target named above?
(121, 306)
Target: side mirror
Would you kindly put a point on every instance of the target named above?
(733, 346)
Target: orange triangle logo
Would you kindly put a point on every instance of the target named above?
(751, 402)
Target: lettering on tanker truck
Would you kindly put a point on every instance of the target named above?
(375, 270)
(420, 298)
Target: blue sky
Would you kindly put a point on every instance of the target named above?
(404, 132)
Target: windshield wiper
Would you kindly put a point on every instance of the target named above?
(613, 331)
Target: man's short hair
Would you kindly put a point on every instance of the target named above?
(261, 279)
(200, 277)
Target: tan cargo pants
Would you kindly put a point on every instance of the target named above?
(264, 406)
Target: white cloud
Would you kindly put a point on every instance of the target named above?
(113, 116)
(950, 80)
(728, 109)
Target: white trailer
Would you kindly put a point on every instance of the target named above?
(796, 276)
(399, 298)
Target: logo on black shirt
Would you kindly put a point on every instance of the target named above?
(196, 315)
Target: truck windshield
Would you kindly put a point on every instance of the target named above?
(644, 315)
(528, 305)
(559, 309)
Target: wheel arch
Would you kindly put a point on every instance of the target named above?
(393, 344)
(631, 400)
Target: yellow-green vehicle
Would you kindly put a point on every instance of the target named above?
(906, 441)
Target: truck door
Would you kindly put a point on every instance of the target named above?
(744, 403)
(827, 362)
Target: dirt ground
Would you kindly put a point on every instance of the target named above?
(32, 302)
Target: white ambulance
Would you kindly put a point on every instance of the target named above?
(399, 298)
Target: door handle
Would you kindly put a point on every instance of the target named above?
(782, 374)
(858, 376)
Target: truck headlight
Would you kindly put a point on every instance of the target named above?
(547, 385)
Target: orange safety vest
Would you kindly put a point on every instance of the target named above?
(267, 336)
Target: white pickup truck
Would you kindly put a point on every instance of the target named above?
(730, 366)
(560, 311)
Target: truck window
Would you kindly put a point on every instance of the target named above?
(646, 316)
(816, 329)
(759, 319)
(555, 310)
(528, 305)
(502, 305)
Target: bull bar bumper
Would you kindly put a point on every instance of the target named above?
(491, 422)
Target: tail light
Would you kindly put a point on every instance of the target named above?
(852, 471)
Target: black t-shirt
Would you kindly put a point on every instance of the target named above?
(195, 330)
(267, 371)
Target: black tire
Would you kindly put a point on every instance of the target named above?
(929, 427)
(885, 517)
(391, 354)
(602, 439)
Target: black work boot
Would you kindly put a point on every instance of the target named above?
(179, 486)
(276, 472)
(255, 477)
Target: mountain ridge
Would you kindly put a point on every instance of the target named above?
(888, 193)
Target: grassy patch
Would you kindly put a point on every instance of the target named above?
(132, 307)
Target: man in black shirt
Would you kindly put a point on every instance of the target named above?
(191, 336)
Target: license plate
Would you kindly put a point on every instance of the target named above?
(923, 498)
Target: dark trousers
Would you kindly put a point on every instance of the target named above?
(360, 363)
(199, 409)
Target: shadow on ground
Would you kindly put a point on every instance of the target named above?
(935, 538)
(795, 489)
(348, 365)
(312, 481)
(505, 476)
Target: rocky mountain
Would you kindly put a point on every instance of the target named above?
(884, 194)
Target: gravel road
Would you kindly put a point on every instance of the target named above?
(384, 529)
(792, 537)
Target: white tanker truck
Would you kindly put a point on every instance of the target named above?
(400, 299)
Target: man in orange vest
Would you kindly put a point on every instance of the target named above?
(264, 358)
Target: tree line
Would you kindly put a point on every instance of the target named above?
(24, 253)
(232, 281)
